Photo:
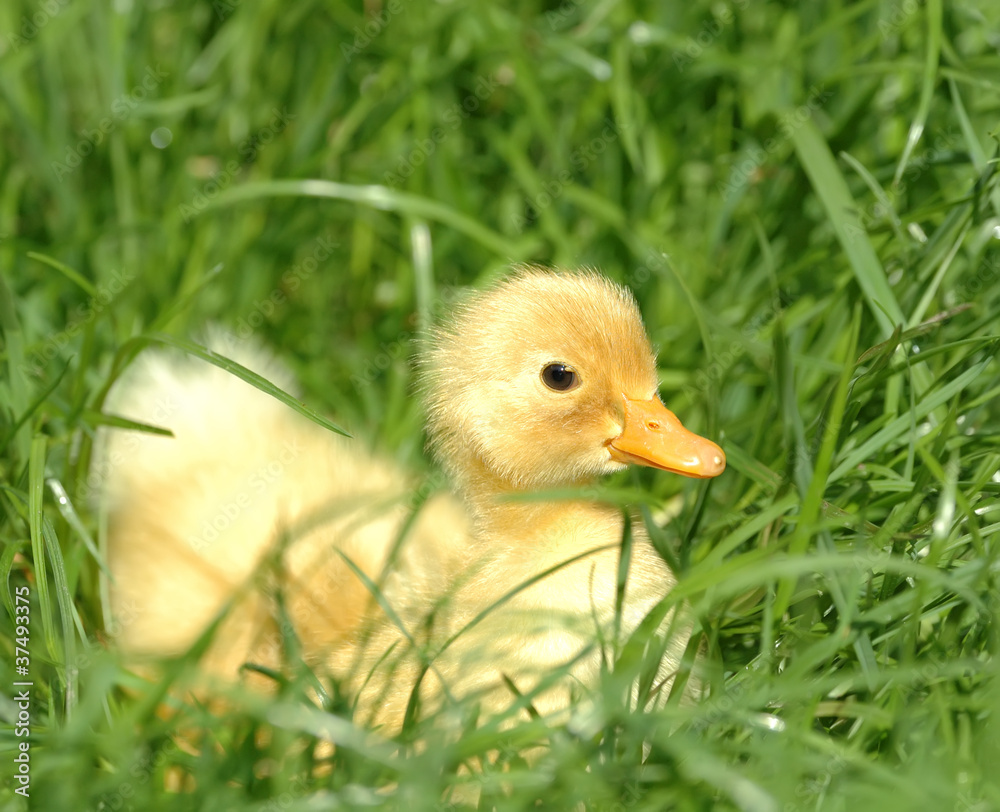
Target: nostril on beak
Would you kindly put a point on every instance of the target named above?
(652, 425)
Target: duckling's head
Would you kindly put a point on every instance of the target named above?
(548, 379)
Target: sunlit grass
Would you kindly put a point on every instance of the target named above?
(804, 202)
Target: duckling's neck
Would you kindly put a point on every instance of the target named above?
(564, 524)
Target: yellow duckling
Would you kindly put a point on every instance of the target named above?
(545, 382)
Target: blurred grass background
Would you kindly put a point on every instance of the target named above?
(794, 192)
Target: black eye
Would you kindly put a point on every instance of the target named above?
(559, 377)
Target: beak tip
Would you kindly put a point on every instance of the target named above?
(714, 464)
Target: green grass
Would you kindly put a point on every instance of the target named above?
(804, 200)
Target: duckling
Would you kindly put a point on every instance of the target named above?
(544, 383)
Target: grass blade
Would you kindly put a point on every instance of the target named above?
(36, 516)
(831, 188)
(72, 275)
(934, 36)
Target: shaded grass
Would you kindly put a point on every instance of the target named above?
(790, 192)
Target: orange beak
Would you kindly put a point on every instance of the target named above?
(654, 436)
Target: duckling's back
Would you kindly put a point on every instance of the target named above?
(247, 500)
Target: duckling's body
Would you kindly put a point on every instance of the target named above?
(194, 518)
(545, 382)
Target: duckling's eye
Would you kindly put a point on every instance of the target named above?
(559, 377)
